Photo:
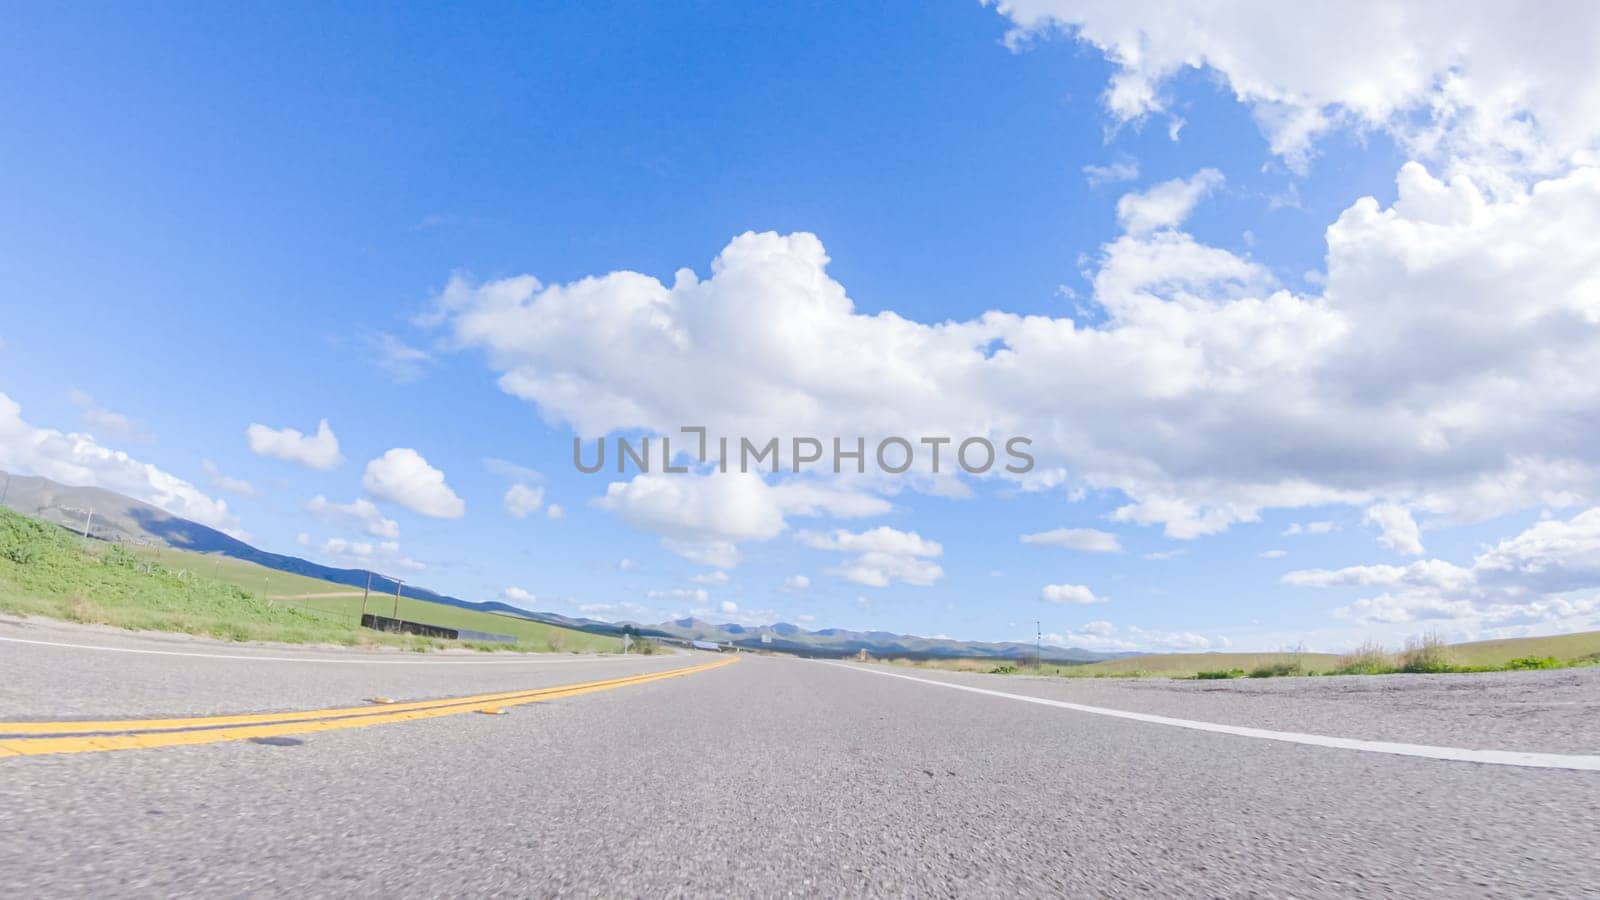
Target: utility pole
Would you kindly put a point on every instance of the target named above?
(397, 583)
(86, 522)
(1038, 644)
(365, 594)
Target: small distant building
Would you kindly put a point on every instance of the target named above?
(863, 656)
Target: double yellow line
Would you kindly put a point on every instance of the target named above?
(44, 738)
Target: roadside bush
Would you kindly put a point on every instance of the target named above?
(1280, 669)
(1367, 659)
(1534, 662)
(1219, 674)
(1428, 654)
(1006, 669)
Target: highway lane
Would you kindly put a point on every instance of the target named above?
(48, 670)
(774, 777)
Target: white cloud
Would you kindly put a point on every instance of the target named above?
(703, 518)
(555, 512)
(1167, 204)
(1494, 81)
(379, 556)
(626, 565)
(521, 500)
(359, 513)
(1273, 554)
(1446, 360)
(516, 595)
(728, 607)
(1124, 169)
(716, 576)
(695, 596)
(404, 477)
(106, 423)
(319, 451)
(1086, 540)
(401, 361)
(794, 584)
(1547, 576)
(883, 555)
(1068, 593)
(1104, 636)
(1298, 528)
(226, 483)
(1398, 529)
(1442, 363)
(78, 459)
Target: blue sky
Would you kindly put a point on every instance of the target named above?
(219, 218)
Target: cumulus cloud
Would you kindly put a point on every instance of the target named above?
(1446, 358)
(379, 556)
(402, 476)
(360, 513)
(78, 459)
(1167, 204)
(516, 595)
(1299, 528)
(1273, 554)
(1441, 365)
(1496, 81)
(703, 518)
(1398, 530)
(1548, 575)
(1086, 540)
(883, 555)
(794, 584)
(1069, 593)
(318, 451)
(521, 500)
(555, 512)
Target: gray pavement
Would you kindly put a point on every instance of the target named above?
(776, 777)
(1552, 711)
(147, 674)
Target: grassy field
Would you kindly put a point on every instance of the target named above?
(1187, 665)
(46, 571)
(1534, 652)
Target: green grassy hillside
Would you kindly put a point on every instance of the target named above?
(46, 571)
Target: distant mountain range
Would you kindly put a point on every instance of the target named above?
(120, 518)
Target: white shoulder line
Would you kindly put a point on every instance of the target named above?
(1578, 761)
(555, 660)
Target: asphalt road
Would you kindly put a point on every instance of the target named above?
(769, 777)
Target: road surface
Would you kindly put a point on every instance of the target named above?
(778, 777)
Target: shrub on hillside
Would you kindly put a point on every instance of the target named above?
(1280, 669)
(1367, 659)
(1534, 662)
(1426, 655)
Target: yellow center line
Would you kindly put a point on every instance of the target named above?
(146, 733)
